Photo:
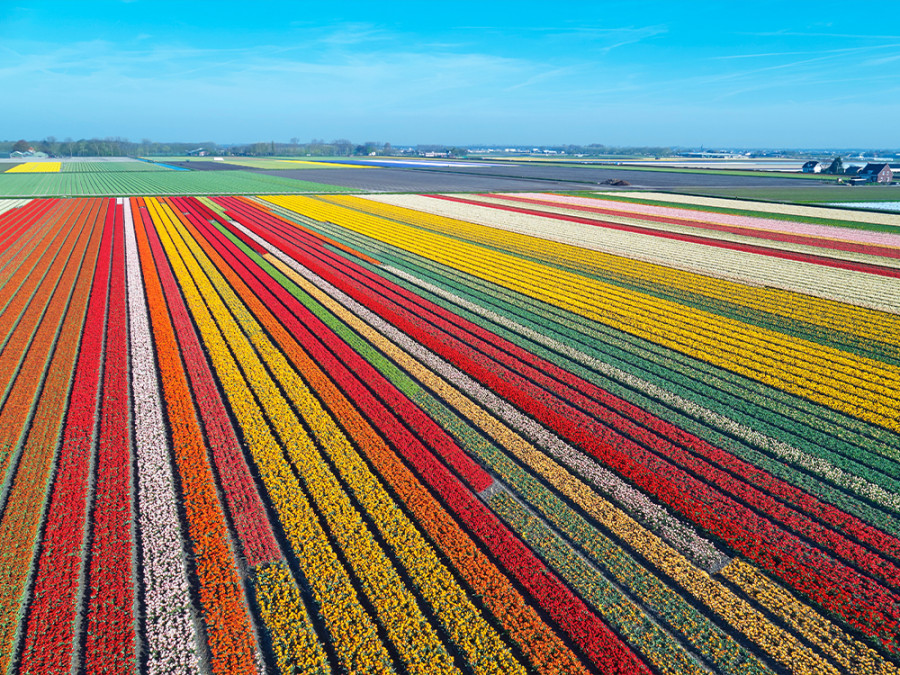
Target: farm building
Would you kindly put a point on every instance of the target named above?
(813, 167)
(877, 173)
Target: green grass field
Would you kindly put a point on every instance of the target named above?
(110, 167)
(107, 184)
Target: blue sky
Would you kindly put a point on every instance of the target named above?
(751, 74)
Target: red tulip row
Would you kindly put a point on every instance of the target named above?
(109, 646)
(820, 242)
(806, 569)
(46, 243)
(49, 632)
(628, 419)
(870, 268)
(601, 646)
(27, 291)
(243, 500)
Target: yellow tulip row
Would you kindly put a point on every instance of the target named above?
(863, 387)
(843, 649)
(462, 620)
(778, 643)
(281, 606)
(351, 629)
(830, 314)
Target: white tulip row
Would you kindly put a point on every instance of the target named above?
(8, 204)
(778, 448)
(637, 221)
(680, 535)
(859, 216)
(852, 287)
(170, 626)
(769, 224)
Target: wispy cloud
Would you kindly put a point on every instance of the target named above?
(884, 59)
(847, 36)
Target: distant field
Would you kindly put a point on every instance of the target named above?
(268, 175)
(110, 167)
(268, 163)
(263, 162)
(721, 172)
(162, 182)
(33, 167)
(632, 165)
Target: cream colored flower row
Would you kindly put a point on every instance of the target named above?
(9, 204)
(719, 235)
(762, 222)
(170, 630)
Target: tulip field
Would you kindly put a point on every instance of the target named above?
(447, 433)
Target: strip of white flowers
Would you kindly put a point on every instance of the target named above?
(680, 535)
(8, 204)
(170, 629)
(850, 286)
(765, 207)
(637, 220)
(778, 448)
